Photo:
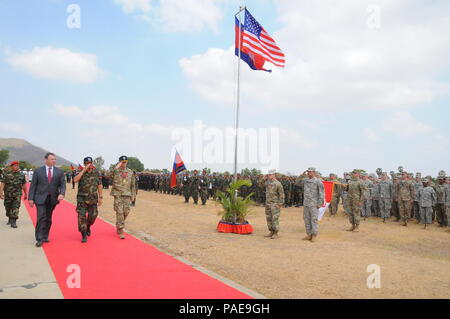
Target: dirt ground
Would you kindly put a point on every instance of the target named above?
(414, 263)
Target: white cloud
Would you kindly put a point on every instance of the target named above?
(404, 124)
(370, 135)
(57, 63)
(11, 128)
(176, 15)
(129, 6)
(335, 62)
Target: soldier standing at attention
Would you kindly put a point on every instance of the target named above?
(194, 186)
(203, 183)
(12, 184)
(447, 202)
(441, 215)
(337, 192)
(405, 196)
(313, 198)
(136, 183)
(274, 200)
(185, 186)
(427, 198)
(366, 209)
(356, 189)
(89, 196)
(123, 183)
(386, 190)
(417, 186)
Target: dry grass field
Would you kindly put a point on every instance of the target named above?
(415, 263)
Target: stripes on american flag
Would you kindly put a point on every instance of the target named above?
(257, 41)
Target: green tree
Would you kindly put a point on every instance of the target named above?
(165, 171)
(26, 165)
(256, 172)
(208, 170)
(4, 155)
(99, 162)
(135, 164)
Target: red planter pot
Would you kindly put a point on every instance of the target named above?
(226, 227)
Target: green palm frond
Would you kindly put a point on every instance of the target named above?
(234, 206)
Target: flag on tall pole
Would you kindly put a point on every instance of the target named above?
(255, 46)
(178, 167)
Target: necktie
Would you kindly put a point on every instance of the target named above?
(49, 175)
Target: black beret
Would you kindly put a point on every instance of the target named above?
(87, 159)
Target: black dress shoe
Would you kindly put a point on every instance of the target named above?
(84, 237)
(46, 240)
(39, 243)
(13, 223)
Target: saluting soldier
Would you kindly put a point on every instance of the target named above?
(12, 184)
(123, 184)
(274, 200)
(89, 196)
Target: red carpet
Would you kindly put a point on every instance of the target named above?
(114, 268)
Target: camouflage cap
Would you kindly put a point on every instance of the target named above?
(424, 180)
(271, 171)
(364, 174)
(418, 175)
(311, 169)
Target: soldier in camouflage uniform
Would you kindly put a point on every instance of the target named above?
(185, 186)
(427, 198)
(123, 183)
(89, 196)
(366, 209)
(356, 190)
(447, 202)
(136, 183)
(394, 209)
(441, 215)
(386, 190)
(195, 186)
(337, 193)
(417, 186)
(274, 201)
(375, 195)
(405, 196)
(203, 185)
(344, 194)
(12, 184)
(313, 198)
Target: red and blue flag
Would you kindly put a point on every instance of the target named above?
(178, 167)
(256, 45)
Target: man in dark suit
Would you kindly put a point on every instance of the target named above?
(47, 189)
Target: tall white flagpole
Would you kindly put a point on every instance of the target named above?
(236, 121)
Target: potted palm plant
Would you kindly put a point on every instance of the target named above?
(235, 209)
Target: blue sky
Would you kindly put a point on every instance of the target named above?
(361, 88)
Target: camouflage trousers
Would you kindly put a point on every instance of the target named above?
(12, 205)
(310, 216)
(194, 194)
(186, 194)
(273, 216)
(366, 209)
(346, 205)
(416, 210)
(375, 207)
(448, 215)
(441, 215)
(122, 209)
(354, 211)
(426, 215)
(204, 195)
(385, 207)
(334, 205)
(87, 214)
(404, 207)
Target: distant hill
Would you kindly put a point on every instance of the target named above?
(21, 150)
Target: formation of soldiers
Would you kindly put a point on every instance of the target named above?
(401, 195)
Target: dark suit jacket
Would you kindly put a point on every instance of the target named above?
(40, 188)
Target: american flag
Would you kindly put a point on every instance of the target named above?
(256, 41)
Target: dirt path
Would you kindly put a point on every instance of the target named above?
(415, 263)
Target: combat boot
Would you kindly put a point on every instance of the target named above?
(84, 237)
(88, 231)
(308, 237)
(121, 235)
(275, 235)
(269, 234)
(351, 228)
(313, 238)
(13, 223)
(9, 221)
(356, 229)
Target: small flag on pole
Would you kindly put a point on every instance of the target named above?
(328, 186)
(256, 45)
(178, 167)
